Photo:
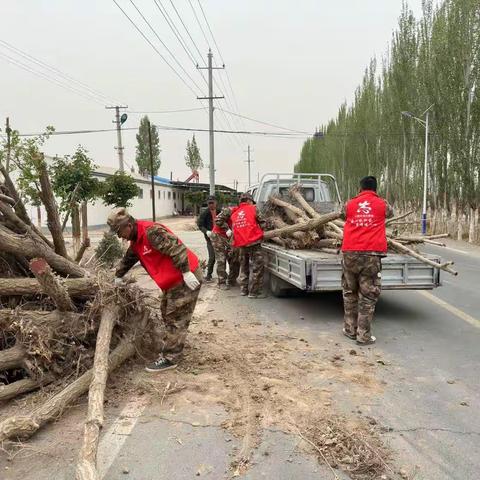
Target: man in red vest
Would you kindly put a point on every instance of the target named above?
(174, 268)
(247, 225)
(225, 253)
(364, 245)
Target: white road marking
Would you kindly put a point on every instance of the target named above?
(456, 311)
(114, 438)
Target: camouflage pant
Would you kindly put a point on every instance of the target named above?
(225, 254)
(361, 283)
(177, 306)
(251, 280)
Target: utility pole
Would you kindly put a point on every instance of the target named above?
(425, 177)
(151, 170)
(249, 161)
(8, 131)
(119, 120)
(210, 99)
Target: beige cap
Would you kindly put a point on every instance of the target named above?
(118, 218)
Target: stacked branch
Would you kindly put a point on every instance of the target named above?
(295, 224)
(61, 325)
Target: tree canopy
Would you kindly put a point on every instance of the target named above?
(193, 160)
(119, 189)
(143, 148)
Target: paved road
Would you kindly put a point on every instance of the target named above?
(429, 348)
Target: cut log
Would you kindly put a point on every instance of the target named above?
(77, 287)
(25, 245)
(395, 219)
(87, 463)
(25, 426)
(298, 213)
(295, 193)
(12, 390)
(53, 219)
(51, 285)
(7, 199)
(312, 224)
(11, 358)
(402, 248)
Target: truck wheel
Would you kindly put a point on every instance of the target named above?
(279, 287)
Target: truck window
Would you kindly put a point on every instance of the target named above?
(308, 193)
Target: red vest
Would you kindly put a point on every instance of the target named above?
(244, 225)
(220, 231)
(159, 266)
(365, 224)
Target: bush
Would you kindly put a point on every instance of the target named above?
(109, 250)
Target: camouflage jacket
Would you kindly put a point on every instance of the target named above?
(164, 242)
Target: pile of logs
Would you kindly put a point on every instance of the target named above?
(295, 224)
(62, 326)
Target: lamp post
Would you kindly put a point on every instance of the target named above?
(426, 125)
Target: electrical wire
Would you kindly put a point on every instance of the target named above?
(167, 111)
(199, 24)
(155, 48)
(56, 71)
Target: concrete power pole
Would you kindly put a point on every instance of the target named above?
(210, 99)
(118, 121)
(249, 161)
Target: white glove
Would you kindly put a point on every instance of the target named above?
(191, 280)
(119, 281)
(209, 234)
(229, 233)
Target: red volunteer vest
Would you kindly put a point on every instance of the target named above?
(244, 225)
(365, 224)
(159, 266)
(220, 231)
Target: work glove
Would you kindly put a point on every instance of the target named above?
(209, 234)
(191, 280)
(229, 233)
(119, 281)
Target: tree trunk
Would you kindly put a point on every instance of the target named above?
(471, 229)
(84, 211)
(12, 390)
(87, 463)
(25, 245)
(76, 287)
(76, 229)
(51, 285)
(50, 204)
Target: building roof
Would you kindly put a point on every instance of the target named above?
(109, 171)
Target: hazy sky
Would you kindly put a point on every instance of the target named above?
(291, 63)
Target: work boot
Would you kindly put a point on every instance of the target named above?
(232, 283)
(223, 286)
(351, 336)
(160, 365)
(208, 278)
(369, 341)
(257, 295)
(243, 292)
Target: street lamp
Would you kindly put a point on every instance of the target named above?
(425, 123)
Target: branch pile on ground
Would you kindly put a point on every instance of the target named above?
(295, 224)
(61, 324)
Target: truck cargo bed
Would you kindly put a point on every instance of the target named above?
(315, 270)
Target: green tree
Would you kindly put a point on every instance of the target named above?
(143, 148)
(193, 160)
(119, 189)
(72, 178)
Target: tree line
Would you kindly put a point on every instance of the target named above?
(431, 61)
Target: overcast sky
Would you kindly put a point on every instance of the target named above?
(290, 63)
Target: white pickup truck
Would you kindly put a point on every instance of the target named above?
(315, 270)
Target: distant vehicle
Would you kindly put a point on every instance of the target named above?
(315, 270)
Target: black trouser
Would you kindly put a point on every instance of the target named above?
(211, 258)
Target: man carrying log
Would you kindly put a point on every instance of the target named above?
(174, 268)
(205, 222)
(248, 226)
(364, 245)
(225, 253)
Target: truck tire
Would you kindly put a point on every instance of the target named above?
(279, 288)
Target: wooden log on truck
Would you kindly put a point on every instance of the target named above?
(87, 463)
(26, 425)
(27, 246)
(296, 214)
(295, 193)
(51, 285)
(312, 224)
(76, 287)
(402, 248)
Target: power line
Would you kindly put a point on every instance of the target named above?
(51, 79)
(55, 70)
(168, 111)
(155, 48)
(199, 24)
(265, 123)
(165, 46)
